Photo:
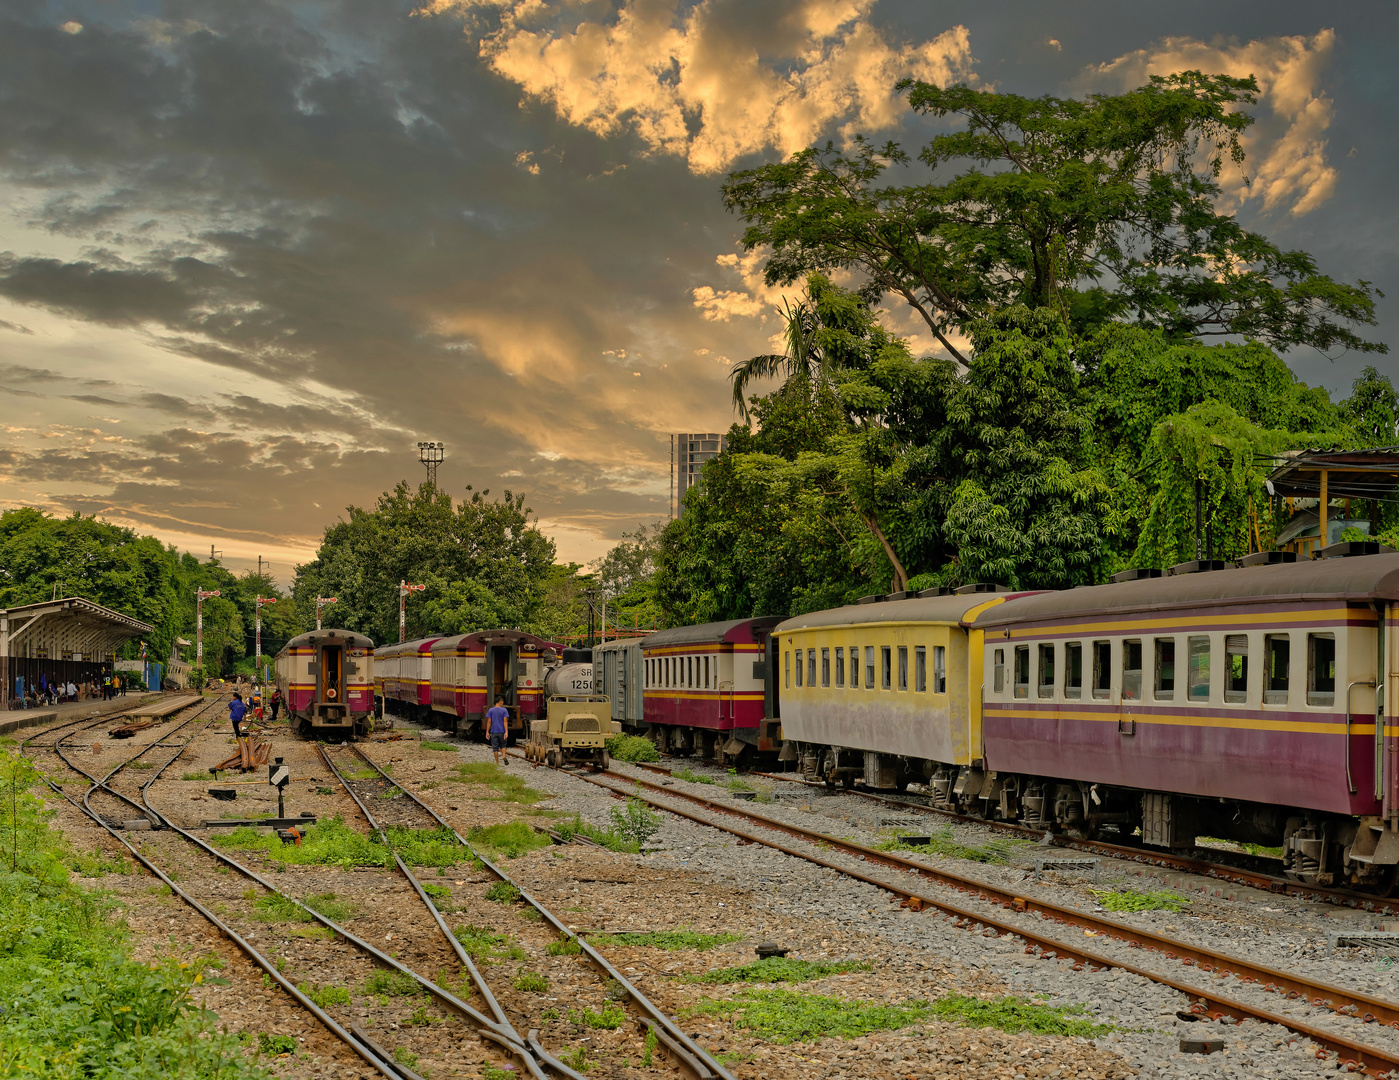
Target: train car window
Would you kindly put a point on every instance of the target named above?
(1022, 671)
(903, 667)
(1131, 671)
(1321, 669)
(869, 667)
(1046, 679)
(920, 669)
(1165, 683)
(840, 665)
(1236, 667)
(787, 670)
(1277, 659)
(854, 667)
(1073, 669)
(825, 666)
(706, 673)
(692, 671)
(810, 667)
(1102, 669)
(939, 669)
(799, 667)
(998, 683)
(886, 667)
(1198, 675)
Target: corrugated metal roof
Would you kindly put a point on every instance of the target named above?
(1353, 474)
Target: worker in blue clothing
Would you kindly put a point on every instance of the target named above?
(497, 717)
(236, 711)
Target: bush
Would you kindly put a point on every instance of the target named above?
(502, 892)
(632, 748)
(635, 822)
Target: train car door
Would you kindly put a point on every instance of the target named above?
(771, 702)
(500, 671)
(332, 680)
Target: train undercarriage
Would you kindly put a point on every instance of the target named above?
(1317, 848)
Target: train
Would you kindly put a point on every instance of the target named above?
(576, 723)
(327, 681)
(1241, 702)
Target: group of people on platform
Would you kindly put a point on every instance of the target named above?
(250, 710)
(44, 691)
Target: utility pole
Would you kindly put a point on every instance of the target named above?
(322, 601)
(403, 590)
(589, 594)
(257, 671)
(199, 597)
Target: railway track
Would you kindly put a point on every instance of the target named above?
(988, 909)
(406, 810)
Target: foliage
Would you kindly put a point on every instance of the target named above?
(430, 744)
(508, 785)
(626, 577)
(510, 839)
(531, 982)
(634, 822)
(325, 995)
(666, 939)
(1015, 1015)
(1098, 209)
(632, 748)
(330, 842)
(774, 969)
(485, 945)
(483, 560)
(502, 892)
(267, 1043)
(566, 947)
(608, 1018)
(1150, 900)
(1372, 412)
(786, 1016)
(944, 844)
(608, 838)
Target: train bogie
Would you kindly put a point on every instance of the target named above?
(327, 680)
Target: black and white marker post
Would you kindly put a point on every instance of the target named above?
(279, 776)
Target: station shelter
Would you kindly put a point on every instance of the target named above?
(68, 640)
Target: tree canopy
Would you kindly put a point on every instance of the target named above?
(1103, 209)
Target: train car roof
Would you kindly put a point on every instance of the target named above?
(1357, 577)
(929, 609)
(312, 637)
(621, 643)
(489, 637)
(734, 630)
(394, 648)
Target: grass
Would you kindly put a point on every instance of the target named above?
(333, 843)
(566, 947)
(502, 892)
(1015, 1015)
(272, 1045)
(773, 969)
(276, 908)
(785, 1016)
(666, 939)
(141, 765)
(325, 933)
(405, 1057)
(1151, 900)
(510, 839)
(429, 744)
(610, 1018)
(608, 838)
(632, 748)
(486, 946)
(392, 982)
(943, 843)
(325, 995)
(689, 774)
(507, 785)
(201, 777)
(531, 981)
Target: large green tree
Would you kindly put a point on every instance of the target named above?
(1102, 208)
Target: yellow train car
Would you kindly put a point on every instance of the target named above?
(886, 691)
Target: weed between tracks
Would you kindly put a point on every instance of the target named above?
(609, 839)
(665, 939)
(943, 843)
(510, 839)
(391, 981)
(508, 785)
(1151, 900)
(275, 908)
(429, 744)
(486, 946)
(333, 843)
(773, 969)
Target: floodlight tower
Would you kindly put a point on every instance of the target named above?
(430, 454)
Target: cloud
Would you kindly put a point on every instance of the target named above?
(1287, 145)
(723, 80)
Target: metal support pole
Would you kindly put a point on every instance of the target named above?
(1197, 520)
(5, 661)
(1322, 512)
(402, 618)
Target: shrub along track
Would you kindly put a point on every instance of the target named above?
(380, 790)
(981, 916)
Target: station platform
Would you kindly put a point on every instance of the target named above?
(22, 719)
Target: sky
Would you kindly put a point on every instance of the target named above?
(251, 253)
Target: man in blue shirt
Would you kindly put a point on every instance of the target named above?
(496, 719)
(236, 711)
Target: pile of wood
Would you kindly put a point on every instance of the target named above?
(251, 753)
(126, 731)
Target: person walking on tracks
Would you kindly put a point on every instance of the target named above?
(497, 717)
(236, 711)
(276, 703)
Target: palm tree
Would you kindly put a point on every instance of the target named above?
(804, 359)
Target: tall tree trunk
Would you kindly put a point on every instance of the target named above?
(900, 574)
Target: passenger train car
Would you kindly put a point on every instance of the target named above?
(1244, 703)
(706, 689)
(403, 677)
(327, 680)
(470, 671)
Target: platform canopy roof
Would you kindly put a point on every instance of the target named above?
(1350, 474)
(71, 625)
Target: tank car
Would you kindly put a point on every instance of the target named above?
(577, 720)
(403, 677)
(706, 688)
(327, 680)
(882, 691)
(470, 671)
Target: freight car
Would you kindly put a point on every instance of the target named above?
(403, 677)
(617, 667)
(706, 688)
(1245, 703)
(327, 680)
(470, 671)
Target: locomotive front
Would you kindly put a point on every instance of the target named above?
(327, 679)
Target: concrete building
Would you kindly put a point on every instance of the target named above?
(688, 453)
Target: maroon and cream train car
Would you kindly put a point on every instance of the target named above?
(1237, 703)
(327, 680)
(469, 671)
(403, 677)
(706, 687)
